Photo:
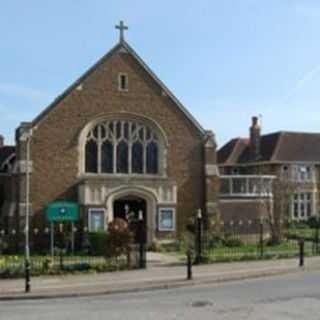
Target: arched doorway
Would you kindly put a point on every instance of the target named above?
(129, 208)
(139, 197)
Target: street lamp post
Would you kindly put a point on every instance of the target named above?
(26, 137)
(199, 237)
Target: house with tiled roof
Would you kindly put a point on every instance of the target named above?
(289, 156)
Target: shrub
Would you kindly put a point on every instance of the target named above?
(297, 225)
(81, 266)
(98, 242)
(215, 241)
(119, 239)
(272, 242)
(231, 242)
(47, 264)
(313, 222)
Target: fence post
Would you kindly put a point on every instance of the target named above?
(301, 252)
(261, 244)
(317, 237)
(199, 259)
(189, 264)
(61, 259)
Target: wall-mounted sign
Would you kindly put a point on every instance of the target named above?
(63, 211)
(167, 219)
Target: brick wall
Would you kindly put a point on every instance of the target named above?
(55, 139)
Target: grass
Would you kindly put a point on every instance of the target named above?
(245, 251)
(286, 249)
(13, 266)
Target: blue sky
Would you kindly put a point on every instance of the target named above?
(225, 60)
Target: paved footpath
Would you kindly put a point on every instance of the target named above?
(162, 272)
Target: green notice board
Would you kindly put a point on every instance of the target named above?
(63, 211)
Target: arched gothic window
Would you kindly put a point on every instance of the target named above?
(121, 146)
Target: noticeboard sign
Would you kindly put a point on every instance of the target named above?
(63, 211)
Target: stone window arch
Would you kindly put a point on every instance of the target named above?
(124, 146)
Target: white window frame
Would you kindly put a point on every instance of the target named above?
(122, 74)
(173, 212)
(302, 172)
(89, 218)
(302, 201)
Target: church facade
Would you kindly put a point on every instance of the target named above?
(117, 142)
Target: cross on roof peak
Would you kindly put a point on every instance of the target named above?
(122, 27)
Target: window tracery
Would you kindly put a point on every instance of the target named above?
(122, 147)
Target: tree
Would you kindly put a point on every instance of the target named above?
(275, 198)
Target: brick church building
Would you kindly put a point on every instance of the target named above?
(117, 140)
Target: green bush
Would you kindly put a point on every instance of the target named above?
(313, 222)
(232, 242)
(215, 241)
(270, 242)
(297, 225)
(98, 242)
(119, 239)
(81, 266)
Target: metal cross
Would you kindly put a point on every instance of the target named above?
(122, 27)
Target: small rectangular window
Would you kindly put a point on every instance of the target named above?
(96, 219)
(123, 82)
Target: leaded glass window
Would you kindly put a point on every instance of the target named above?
(91, 157)
(124, 147)
(137, 157)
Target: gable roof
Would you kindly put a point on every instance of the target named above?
(5, 153)
(122, 45)
(282, 146)
(232, 150)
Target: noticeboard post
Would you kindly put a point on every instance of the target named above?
(61, 211)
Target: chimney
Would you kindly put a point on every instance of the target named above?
(1, 141)
(255, 131)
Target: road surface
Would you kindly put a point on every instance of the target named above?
(295, 296)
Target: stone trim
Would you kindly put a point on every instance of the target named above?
(22, 166)
(125, 116)
(212, 170)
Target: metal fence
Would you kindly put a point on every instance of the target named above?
(251, 240)
(84, 252)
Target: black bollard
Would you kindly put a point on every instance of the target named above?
(317, 239)
(27, 275)
(301, 252)
(189, 265)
